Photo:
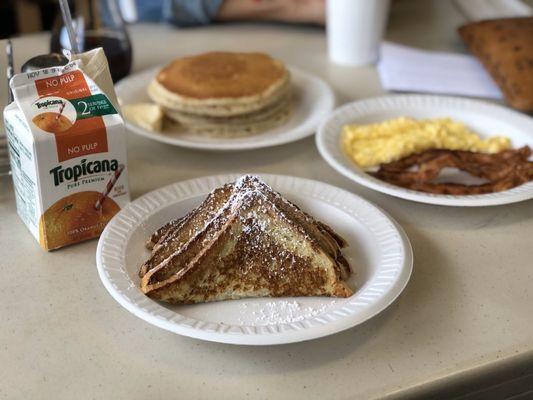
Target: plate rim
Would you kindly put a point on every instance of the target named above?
(357, 175)
(268, 337)
(328, 96)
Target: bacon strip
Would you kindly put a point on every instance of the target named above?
(504, 170)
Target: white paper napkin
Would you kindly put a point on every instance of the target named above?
(477, 10)
(408, 69)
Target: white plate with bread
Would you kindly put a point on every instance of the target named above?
(361, 239)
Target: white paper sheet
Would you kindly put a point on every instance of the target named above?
(408, 69)
(477, 10)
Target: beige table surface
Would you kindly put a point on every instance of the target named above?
(466, 311)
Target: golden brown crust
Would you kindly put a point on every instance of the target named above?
(190, 225)
(222, 75)
(162, 232)
(505, 47)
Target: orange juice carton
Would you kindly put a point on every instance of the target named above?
(68, 151)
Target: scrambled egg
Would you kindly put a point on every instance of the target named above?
(374, 144)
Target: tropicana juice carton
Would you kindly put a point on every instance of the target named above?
(68, 152)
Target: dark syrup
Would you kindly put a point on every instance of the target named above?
(117, 50)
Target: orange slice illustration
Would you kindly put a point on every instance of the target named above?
(74, 218)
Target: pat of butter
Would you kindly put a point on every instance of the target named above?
(384, 142)
(147, 115)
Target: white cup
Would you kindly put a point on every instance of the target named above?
(354, 30)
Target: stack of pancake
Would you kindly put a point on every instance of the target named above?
(226, 94)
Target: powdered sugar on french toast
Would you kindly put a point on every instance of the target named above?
(248, 192)
(279, 312)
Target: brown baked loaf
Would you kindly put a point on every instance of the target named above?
(505, 47)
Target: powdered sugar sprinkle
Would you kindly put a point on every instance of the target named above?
(279, 312)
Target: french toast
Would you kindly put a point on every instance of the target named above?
(244, 240)
(172, 236)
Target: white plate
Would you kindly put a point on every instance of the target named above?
(484, 118)
(313, 100)
(378, 250)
